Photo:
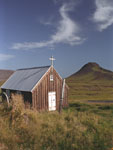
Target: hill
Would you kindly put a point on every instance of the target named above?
(5, 74)
(91, 82)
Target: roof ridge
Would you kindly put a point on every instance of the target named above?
(33, 68)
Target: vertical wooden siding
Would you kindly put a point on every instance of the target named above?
(40, 92)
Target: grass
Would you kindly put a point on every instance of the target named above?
(82, 126)
(98, 109)
(90, 90)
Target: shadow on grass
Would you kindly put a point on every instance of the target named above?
(100, 109)
(106, 107)
(78, 107)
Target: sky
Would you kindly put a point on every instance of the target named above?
(75, 32)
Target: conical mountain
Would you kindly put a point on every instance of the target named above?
(91, 82)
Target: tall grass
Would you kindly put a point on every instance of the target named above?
(25, 129)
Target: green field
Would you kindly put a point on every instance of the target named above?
(90, 90)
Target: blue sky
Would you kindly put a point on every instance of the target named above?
(75, 32)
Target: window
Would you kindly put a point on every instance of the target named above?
(51, 77)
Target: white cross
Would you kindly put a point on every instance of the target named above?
(52, 59)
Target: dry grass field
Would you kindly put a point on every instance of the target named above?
(79, 127)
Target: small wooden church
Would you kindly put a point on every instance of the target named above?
(42, 87)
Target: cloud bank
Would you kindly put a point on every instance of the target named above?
(103, 15)
(4, 57)
(67, 32)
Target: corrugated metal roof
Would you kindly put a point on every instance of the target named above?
(25, 79)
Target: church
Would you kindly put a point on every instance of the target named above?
(42, 87)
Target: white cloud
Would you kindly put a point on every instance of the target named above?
(31, 45)
(48, 21)
(67, 32)
(103, 15)
(68, 29)
(4, 57)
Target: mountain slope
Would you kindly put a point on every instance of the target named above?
(91, 82)
(5, 74)
(97, 72)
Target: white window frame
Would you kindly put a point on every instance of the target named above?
(51, 77)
